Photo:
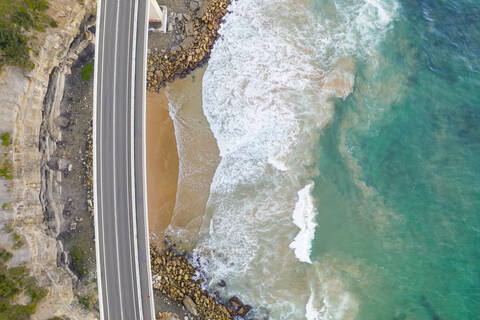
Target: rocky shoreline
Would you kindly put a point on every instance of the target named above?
(174, 276)
(197, 30)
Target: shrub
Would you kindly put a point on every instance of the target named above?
(87, 71)
(17, 241)
(87, 300)
(14, 281)
(6, 140)
(6, 171)
(79, 261)
(16, 19)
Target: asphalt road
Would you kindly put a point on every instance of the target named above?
(121, 225)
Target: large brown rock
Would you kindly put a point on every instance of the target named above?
(190, 305)
(235, 302)
(244, 310)
(167, 316)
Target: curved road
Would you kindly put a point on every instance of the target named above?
(121, 226)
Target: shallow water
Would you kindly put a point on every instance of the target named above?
(348, 186)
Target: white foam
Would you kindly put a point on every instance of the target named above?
(304, 218)
(267, 93)
(312, 313)
(329, 297)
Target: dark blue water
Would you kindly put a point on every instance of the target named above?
(398, 190)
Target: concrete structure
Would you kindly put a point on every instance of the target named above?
(158, 14)
(121, 225)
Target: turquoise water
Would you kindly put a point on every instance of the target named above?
(349, 180)
(398, 184)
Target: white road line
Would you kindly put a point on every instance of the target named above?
(132, 160)
(144, 160)
(101, 10)
(114, 157)
(128, 144)
(105, 298)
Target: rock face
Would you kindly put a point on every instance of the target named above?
(21, 110)
(199, 32)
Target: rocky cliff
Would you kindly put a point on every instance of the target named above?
(22, 110)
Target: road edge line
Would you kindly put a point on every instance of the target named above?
(144, 160)
(132, 158)
(94, 144)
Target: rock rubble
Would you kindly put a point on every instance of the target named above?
(199, 32)
(176, 278)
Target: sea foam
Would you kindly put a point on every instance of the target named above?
(304, 218)
(267, 93)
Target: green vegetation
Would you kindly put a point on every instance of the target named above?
(8, 227)
(55, 318)
(14, 281)
(17, 241)
(17, 18)
(87, 300)
(87, 71)
(6, 140)
(79, 261)
(5, 255)
(5, 206)
(6, 170)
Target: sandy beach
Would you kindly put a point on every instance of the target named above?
(182, 156)
(162, 164)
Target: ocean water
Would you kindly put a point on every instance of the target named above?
(349, 179)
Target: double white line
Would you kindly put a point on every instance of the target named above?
(101, 9)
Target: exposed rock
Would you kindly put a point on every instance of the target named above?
(244, 310)
(62, 121)
(62, 164)
(235, 302)
(189, 29)
(175, 277)
(194, 6)
(199, 32)
(21, 108)
(167, 316)
(190, 305)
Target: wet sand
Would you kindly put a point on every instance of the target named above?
(182, 156)
(198, 154)
(162, 164)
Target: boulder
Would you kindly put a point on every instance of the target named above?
(244, 310)
(189, 29)
(190, 305)
(62, 122)
(194, 6)
(62, 164)
(167, 316)
(235, 302)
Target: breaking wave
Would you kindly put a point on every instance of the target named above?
(267, 93)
